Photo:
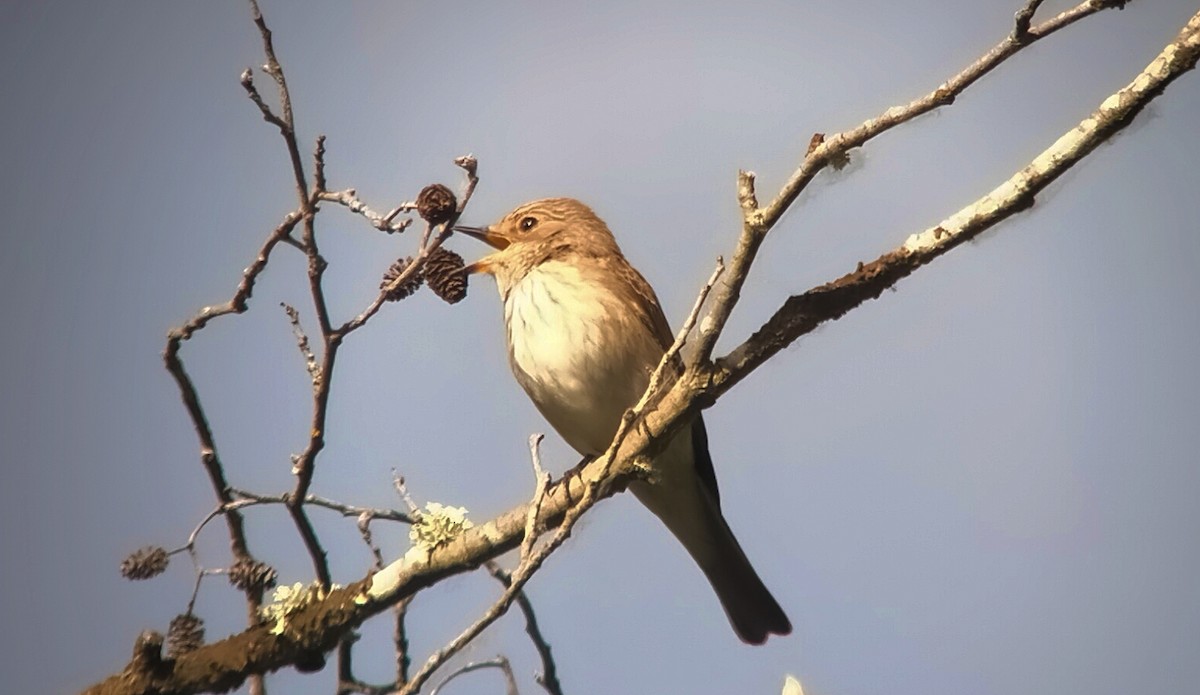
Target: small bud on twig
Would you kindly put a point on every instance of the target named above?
(468, 163)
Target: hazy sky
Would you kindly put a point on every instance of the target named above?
(984, 482)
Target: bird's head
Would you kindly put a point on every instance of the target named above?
(529, 234)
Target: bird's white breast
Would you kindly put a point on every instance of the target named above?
(575, 352)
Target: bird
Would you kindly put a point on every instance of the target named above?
(585, 331)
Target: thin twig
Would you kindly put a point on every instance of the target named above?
(310, 360)
(541, 486)
(348, 198)
(1022, 20)
(498, 662)
(318, 501)
(402, 207)
(304, 466)
(669, 359)
(757, 221)
(364, 530)
(287, 122)
(319, 166)
(801, 314)
(209, 456)
(402, 490)
(470, 167)
(247, 80)
(239, 302)
(548, 678)
(400, 640)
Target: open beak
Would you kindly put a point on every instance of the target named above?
(489, 237)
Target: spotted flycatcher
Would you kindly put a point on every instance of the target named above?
(585, 332)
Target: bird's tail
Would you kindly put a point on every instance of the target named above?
(694, 517)
(752, 610)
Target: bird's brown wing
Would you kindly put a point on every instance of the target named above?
(649, 311)
(643, 301)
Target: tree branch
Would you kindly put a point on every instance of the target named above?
(548, 678)
(832, 151)
(801, 314)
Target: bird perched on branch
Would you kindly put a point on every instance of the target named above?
(585, 332)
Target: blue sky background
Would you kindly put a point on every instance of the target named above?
(983, 482)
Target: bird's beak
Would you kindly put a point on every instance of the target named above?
(488, 236)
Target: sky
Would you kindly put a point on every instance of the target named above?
(982, 482)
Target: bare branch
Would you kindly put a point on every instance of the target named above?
(209, 456)
(470, 167)
(400, 640)
(801, 314)
(541, 485)
(681, 337)
(364, 528)
(247, 80)
(384, 223)
(1024, 16)
(310, 360)
(241, 295)
(747, 198)
(286, 123)
(319, 165)
(400, 488)
(832, 150)
(497, 662)
(249, 498)
(548, 678)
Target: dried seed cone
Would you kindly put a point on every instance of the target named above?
(186, 634)
(407, 287)
(250, 575)
(145, 563)
(436, 203)
(445, 275)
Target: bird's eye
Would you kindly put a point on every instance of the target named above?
(527, 223)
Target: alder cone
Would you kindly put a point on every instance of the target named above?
(436, 203)
(186, 634)
(250, 575)
(145, 563)
(403, 289)
(445, 273)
